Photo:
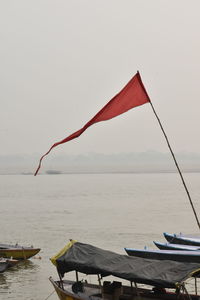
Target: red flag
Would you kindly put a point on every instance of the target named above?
(132, 95)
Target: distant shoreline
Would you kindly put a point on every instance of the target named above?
(147, 162)
(59, 173)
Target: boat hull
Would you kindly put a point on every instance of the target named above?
(19, 253)
(4, 265)
(169, 246)
(130, 293)
(64, 294)
(180, 239)
(7, 263)
(182, 256)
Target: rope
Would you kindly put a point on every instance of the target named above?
(49, 295)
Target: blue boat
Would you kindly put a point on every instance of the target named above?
(182, 239)
(175, 255)
(169, 246)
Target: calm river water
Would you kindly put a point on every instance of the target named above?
(111, 211)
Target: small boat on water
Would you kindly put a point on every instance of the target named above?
(175, 255)
(169, 246)
(163, 279)
(17, 251)
(3, 265)
(181, 239)
(6, 263)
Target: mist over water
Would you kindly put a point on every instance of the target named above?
(131, 162)
(111, 211)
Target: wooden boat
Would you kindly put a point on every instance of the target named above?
(181, 239)
(162, 279)
(169, 246)
(175, 255)
(17, 251)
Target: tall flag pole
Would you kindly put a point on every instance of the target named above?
(175, 161)
(178, 168)
(132, 95)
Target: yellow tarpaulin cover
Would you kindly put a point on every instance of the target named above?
(62, 251)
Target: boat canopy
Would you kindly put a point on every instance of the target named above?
(89, 259)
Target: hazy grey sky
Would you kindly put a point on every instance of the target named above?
(62, 61)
